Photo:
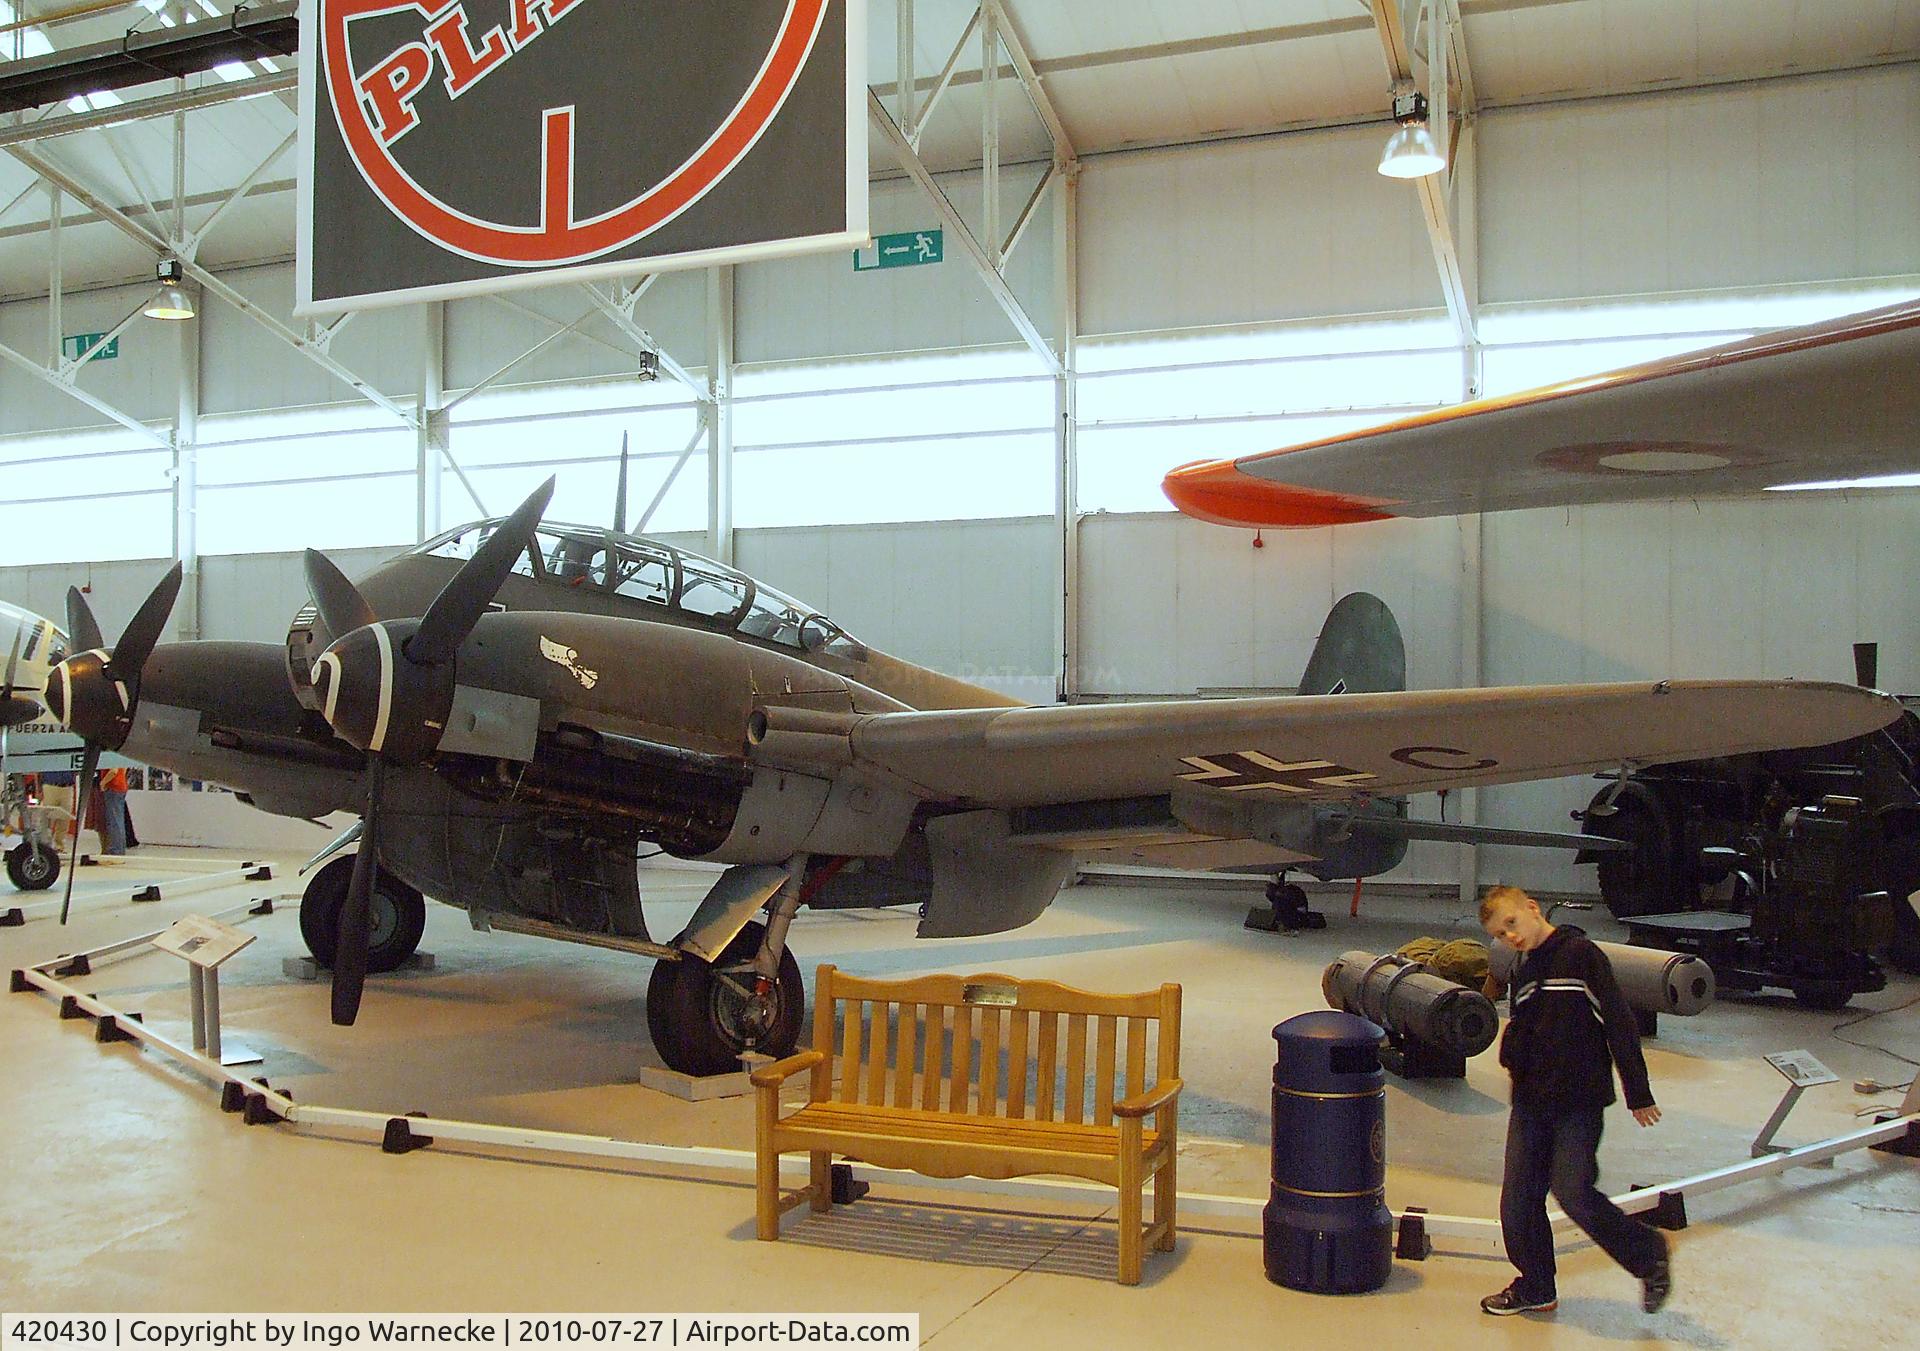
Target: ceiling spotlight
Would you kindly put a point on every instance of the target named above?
(1411, 152)
(171, 300)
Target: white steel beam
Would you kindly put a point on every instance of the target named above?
(694, 443)
(97, 404)
(190, 245)
(1397, 47)
(990, 135)
(721, 318)
(1015, 44)
(951, 218)
(906, 64)
(1066, 417)
(945, 79)
(619, 312)
(161, 249)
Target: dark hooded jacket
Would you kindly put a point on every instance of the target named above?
(1570, 1027)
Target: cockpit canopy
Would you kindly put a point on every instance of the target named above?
(696, 589)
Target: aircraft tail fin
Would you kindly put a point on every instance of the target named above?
(1360, 650)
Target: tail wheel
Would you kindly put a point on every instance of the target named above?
(398, 915)
(1650, 879)
(703, 1016)
(32, 866)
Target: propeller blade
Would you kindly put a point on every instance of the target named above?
(82, 628)
(83, 789)
(464, 599)
(356, 922)
(620, 493)
(136, 644)
(342, 608)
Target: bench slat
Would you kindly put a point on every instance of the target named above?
(988, 1103)
(1038, 995)
(933, 1057)
(1103, 1071)
(1017, 1063)
(1076, 1067)
(905, 1044)
(877, 1054)
(1045, 1089)
(1136, 1057)
(960, 1081)
(850, 1050)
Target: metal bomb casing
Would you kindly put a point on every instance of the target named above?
(84, 696)
(1653, 980)
(1326, 1226)
(1411, 1002)
(379, 701)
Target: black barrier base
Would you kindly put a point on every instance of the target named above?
(1417, 1060)
(1411, 1241)
(1670, 1213)
(401, 1139)
(1906, 1146)
(13, 919)
(844, 1187)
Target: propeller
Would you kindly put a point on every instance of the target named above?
(95, 691)
(386, 687)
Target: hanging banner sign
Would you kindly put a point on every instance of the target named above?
(457, 147)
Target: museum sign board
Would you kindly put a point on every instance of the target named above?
(457, 147)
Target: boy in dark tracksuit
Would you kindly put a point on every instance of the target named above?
(1570, 1027)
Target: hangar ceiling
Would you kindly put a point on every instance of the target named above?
(1122, 74)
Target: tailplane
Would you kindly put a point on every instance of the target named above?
(1360, 650)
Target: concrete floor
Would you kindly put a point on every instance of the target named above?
(125, 1188)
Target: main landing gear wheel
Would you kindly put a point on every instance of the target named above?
(32, 866)
(703, 1016)
(1648, 880)
(398, 914)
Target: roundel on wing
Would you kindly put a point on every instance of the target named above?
(535, 133)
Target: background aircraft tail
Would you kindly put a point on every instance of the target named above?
(1360, 650)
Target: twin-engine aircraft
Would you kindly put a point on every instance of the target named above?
(516, 710)
(1820, 405)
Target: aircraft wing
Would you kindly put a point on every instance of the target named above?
(1305, 749)
(1826, 402)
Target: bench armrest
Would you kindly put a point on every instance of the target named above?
(772, 1076)
(1152, 1100)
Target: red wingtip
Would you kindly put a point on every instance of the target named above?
(1220, 492)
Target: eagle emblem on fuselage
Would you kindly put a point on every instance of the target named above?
(561, 655)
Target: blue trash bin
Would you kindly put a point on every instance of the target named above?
(1326, 1225)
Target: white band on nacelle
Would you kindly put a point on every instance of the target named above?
(330, 663)
(385, 643)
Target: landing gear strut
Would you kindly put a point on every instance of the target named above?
(1286, 910)
(705, 1015)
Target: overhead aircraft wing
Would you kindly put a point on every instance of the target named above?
(1831, 401)
(1303, 749)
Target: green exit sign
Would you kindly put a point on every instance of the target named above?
(76, 345)
(909, 248)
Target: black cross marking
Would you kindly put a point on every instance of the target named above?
(1245, 771)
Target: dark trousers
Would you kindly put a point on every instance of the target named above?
(1556, 1152)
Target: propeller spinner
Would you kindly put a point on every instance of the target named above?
(386, 686)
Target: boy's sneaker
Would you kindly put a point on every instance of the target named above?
(1514, 1300)
(1658, 1283)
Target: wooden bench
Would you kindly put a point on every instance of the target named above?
(982, 1076)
